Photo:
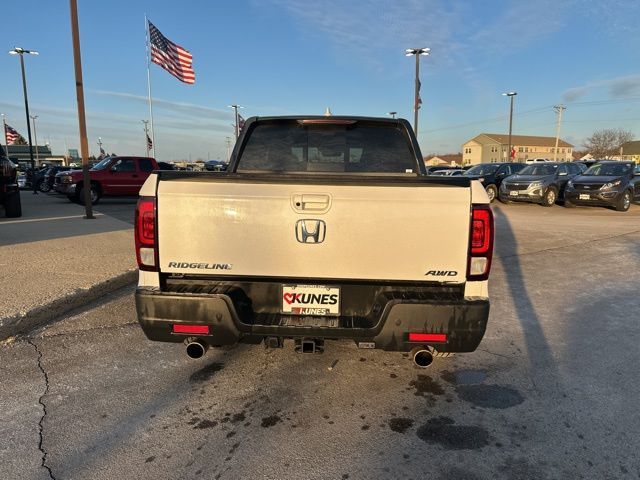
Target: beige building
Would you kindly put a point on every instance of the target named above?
(492, 148)
(631, 151)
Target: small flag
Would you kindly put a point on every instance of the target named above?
(149, 143)
(11, 135)
(418, 98)
(241, 122)
(173, 58)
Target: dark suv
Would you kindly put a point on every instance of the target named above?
(491, 175)
(542, 183)
(9, 192)
(608, 183)
(48, 180)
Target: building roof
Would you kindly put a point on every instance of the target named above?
(631, 148)
(524, 140)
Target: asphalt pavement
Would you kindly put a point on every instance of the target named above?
(550, 393)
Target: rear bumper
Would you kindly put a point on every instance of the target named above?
(464, 322)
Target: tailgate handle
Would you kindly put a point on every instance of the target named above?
(311, 202)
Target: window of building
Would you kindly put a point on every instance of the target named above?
(526, 149)
(520, 149)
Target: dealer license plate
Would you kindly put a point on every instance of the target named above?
(585, 196)
(513, 193)
(314, 300)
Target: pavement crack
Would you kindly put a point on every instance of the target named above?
(44, 410)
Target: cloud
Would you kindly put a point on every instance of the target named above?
(182, 107)
(617, 88)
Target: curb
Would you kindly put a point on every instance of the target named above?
(43, 314)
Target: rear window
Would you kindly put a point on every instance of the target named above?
(358, 148)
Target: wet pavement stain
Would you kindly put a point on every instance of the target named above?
(424, 384)
(490, 396)
(400, 425)
(464, 377)
(206, 373)
(444, 432)
(206, 424)
(270, 421)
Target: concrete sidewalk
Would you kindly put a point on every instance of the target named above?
(53, 260)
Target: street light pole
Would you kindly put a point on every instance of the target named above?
(21, 51)
(559, 109)
(510, 95)
(416, 100)
(393, 114)
(35, 137)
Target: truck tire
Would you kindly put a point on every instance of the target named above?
(95, 194)
(550, 197)
(624, 202)
(12, 205)
(492, 191)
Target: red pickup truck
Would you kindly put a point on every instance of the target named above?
(112, 176)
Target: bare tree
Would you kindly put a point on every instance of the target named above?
(606, 143)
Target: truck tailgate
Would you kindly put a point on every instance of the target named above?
(400, 232)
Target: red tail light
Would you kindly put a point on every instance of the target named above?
(146, 235)
(428, 337)
(191, 329)
(480, 242)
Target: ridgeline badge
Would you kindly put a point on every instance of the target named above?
(201, 266)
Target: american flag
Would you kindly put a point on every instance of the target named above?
(173, 58)
(241, 122)
(10, 135)
(149, 143)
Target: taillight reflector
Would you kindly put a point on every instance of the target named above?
(480, 242)
(428, 337)
(145, 234)
(192, 329)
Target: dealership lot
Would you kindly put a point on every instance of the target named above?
(547, 395)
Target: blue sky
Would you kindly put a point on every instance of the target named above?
(299, 57)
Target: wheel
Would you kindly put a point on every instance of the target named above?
(94, 193)
(492, 192)
(624, 202)
(550, 197)
(12, 206)
(44, 186)
(569, 204)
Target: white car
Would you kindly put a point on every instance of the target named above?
(322, 228)
(536, 160)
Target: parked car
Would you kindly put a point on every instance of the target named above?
(436, 168)
(9, 191)
(449, 173)
(585, 164)
(215, 166)
(48, 180)
(411, 279)
(537, 160)
(542, 183)
(112, 176)
(165, 166)
(607, 183)
(491, 175)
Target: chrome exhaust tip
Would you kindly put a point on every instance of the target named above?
(422, 356)
(196, 348)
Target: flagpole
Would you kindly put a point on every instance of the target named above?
(153, 132)
(4, 132)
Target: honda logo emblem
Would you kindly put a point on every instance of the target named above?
(310, 231)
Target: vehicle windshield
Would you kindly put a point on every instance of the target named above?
(102, 164)
(359, 147)
(609, 169)
(480, 170)
(539, 170)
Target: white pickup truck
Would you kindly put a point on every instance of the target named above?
(322, 228)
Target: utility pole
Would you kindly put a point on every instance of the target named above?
(235, 110)
(84, 144)
(510, 95)
(21, 51)
(559, 109)
(228, 149)
(146, 134)
(35, 137)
